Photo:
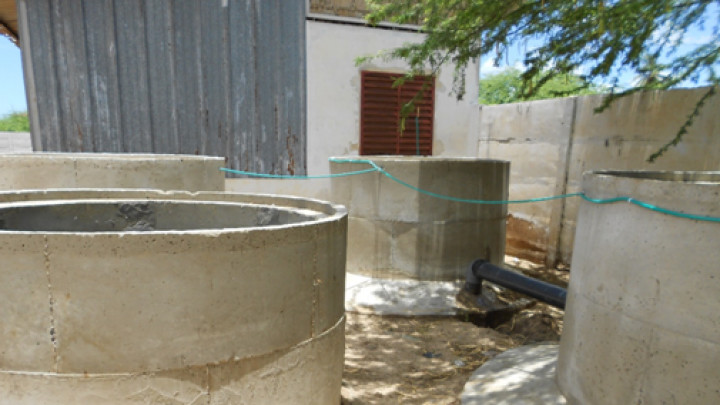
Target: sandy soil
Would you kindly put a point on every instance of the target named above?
(427, 360)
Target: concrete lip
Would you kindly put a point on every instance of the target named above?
(143, 216)
(672, 176)
(25, 171)
(174, 309)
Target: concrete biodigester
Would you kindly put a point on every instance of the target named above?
(138, 296)
(642, 323)
(396, 231)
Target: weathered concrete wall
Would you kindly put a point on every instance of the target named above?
(220, 316)
(535, 138)
(15, 142)
(642, 323)
(334, 103)
(88, 170)
(396, 231)
(550, 143)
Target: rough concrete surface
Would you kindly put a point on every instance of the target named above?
(105, 170)
(397, 230)
(225, 315)
(521, 376)
(551, 143)
(642, 322)
(383, 296)
(15, 142)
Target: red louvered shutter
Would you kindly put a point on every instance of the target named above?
(380, 106)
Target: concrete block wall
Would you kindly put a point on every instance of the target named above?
(15, 142)
(550, 143)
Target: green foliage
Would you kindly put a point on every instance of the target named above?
(604, 37)
(15, 122)
(505, 87)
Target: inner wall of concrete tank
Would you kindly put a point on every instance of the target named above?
(109, 216)
(642, 323)
(396, 231)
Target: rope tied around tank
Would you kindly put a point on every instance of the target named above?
(376, 168)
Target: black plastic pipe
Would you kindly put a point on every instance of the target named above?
(483, 270)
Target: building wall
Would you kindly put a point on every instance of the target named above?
(212, 77)
(15, 142)
(550, 143)
(334, 102)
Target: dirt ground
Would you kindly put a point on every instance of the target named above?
(427, 360)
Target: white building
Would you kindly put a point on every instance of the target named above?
(334, 88)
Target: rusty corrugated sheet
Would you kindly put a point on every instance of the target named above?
(380, 115)
(212, 77)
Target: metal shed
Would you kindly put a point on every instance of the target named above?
(213, 77)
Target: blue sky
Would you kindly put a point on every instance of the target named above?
(12, 87)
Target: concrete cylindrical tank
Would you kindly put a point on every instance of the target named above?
(111, 170)
(139, 296)
(395, 230)
(642, 323)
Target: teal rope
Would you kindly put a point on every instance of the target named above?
(447, 197)
(532, 200)
(652, 208)
(283, 176)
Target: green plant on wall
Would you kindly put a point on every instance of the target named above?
(15, 122)
(603, 38)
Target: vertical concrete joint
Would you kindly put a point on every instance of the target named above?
(554, 251)
(52, 330)
(316, 281)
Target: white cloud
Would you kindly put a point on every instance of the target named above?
(488, 67)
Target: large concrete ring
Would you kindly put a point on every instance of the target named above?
(233, 298)
(642, 323)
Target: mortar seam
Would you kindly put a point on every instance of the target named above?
(51, 300)
(315, 285)
(207, 366)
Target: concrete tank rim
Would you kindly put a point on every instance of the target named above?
(333, 213)
(401, 158)
(109, 156)
(338, 208)
(667, 176)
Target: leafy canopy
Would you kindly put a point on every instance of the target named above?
(15, 122)
(603, 38)
(505, 86)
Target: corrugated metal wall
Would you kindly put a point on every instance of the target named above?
(211, 77)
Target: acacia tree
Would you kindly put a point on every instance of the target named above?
(603, 38)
